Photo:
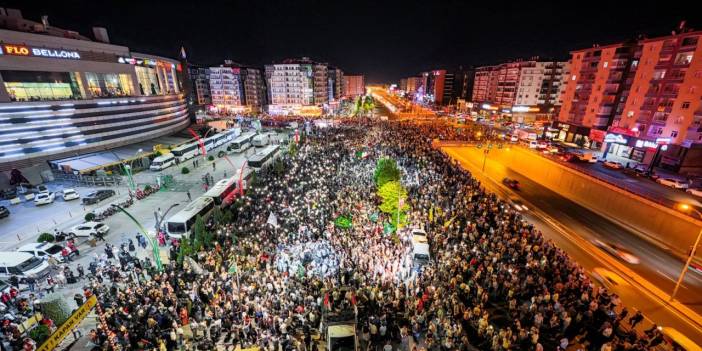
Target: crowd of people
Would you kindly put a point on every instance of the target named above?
(494, 282)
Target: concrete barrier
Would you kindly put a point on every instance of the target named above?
(662, 225)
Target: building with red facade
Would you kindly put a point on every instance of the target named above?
(355, 85)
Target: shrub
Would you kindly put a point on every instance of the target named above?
(147, 188)
(46, 238)
(40, 333)
(185, 170)
(89, 216)
(55, 308)
(221, 154)
(210, 158)
(386, 171)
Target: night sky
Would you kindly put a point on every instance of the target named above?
(385, 40)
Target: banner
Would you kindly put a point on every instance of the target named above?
(343, 222)
(55, 339)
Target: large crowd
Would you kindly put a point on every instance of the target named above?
(494, 282)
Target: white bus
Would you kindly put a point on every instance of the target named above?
(264, 157)
(162, 162)
(224, 191)
(186, 151)
(242, 142)
(182, 223)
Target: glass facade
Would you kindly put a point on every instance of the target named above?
(109, 84)
(41, 86)
(148, 81)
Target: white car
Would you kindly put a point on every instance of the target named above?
(44, 198)
(612, 164)
(70, 194)
(673, 183)
(694, 191)
(88, 229)
(44, 250)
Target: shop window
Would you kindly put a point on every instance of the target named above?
(41, 86)
(107, 85)
(683, 58)
(148, 81)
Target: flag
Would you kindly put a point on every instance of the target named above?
(448, 223)
(272, 220)
(327, 305)
(353, 298)
(232, 268)
(431, 214)
(297, 136)
(373, 217)
(388, 228)
(300, 271)
(182, 53)
(344, 222)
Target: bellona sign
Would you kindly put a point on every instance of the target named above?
(22, 50)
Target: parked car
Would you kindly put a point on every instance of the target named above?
(42, 189)
(673, 183)
(45, 250)
(694, 191)
(97, 196)
(88, 229)
(617, 251)
(4, 212)
(69, 194)
(9, 193)
(612, 164)
(44, 198)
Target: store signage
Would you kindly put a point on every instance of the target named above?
(625, 131)
(597, 135)
(525, 109)
(615, 138)
(22, 50)
(137, 61)
(662, 141)
(646, 143)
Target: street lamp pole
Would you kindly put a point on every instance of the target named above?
(692, 253)
(154, 245)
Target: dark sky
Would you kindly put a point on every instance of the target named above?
(385, 40)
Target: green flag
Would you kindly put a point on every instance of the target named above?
(373, 217)
(344, 222)
(232, 268)
(388, 228)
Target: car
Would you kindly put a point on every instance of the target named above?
(694, 191)
(69, 194)
(9, 193)
(673, 183)
(518, 205)
(45, 250)
(4, 212)
(617, 251)
(612, 164)
(88, 229)
(97, 196)
(511, 183)
(695, 267)
(42, 189)
(44, 198)
(542, 145)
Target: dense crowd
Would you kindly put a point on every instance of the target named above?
(495, 283)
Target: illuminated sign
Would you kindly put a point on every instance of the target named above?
(662, 141)
(22, 50)
(17, 50)
(646, 143)
(525, 109)
(137, 61)
(615, 138)
(56, 53)
(488, 107)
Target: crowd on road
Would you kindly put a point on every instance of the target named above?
(270, 275)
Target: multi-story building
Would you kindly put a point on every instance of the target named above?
(463, 83)
(63, 94)
(200, 78)
(300, 86)
(541, 84)
(337, 84)
(414, 85)
(639, 101)
(236, 89)
(355, 85)
(485, 84)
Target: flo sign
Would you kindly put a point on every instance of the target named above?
(23, 50)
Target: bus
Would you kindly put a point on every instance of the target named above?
(162, 162)
(186, 151)
(181, 224)
(264, 157)
(224, 191)
(242, 142)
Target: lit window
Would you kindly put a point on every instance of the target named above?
(573, 77)
(674, 134)
(605, 64)
(685, 105)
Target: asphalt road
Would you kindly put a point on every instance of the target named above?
(658, 267)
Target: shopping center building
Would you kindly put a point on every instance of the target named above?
(63, 94)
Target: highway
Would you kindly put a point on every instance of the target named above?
(573, 227)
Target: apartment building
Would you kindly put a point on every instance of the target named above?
(236, 89)
(301, 86)
(356, 86)
(200, 78)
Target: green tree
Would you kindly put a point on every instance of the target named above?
(185, 250)
(40, 333)
(390, 194)
(278, 167)
(217, 214)
(46, 238)
(89, 217)
(198, 234)
(292, 149)
(386, 171)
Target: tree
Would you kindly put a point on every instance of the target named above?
(54, 307)
(46, 238)
(390, 194)
(185, 250)
(278, 167)
(89, 217)
(386, 171)
(292, 149)
(198, 234)
(217, 214)
(40, 333)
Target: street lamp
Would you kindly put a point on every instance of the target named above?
(154, 246)
(687, 208)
